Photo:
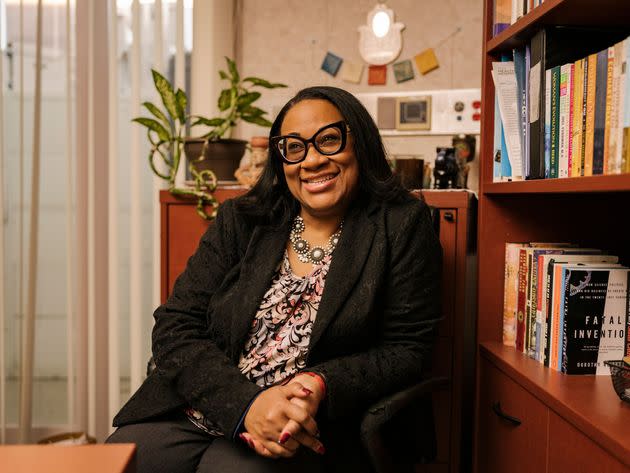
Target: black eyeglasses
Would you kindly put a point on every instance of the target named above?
(328, 140)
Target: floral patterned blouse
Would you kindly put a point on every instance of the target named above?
(277, 343)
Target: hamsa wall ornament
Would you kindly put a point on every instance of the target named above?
(380, 40)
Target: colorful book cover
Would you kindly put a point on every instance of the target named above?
(571, 86)
(576, 136)
(555, 122)
(595, 318)
(563, 136)
(614, 149)
(584, 115)
(547, 123)
(601, 82)
(521, 300)
(510, 293)
(590, 114)
(607, 168)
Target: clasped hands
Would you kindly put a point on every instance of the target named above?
(281, 419)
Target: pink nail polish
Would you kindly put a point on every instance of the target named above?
(284, 437)
(242, 437)
(321, 450)
(307, 391)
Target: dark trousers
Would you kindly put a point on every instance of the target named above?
(174, 445)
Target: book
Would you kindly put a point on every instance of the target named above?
(498, 131)
(544, 282)
(521, 72)
(595, 318)
(625, 90)
(563, 120)
(547, 127)
(607, 164)
(589, 128)
(599, 121)
(506, 90)
(555, 122)
(537, 99)
(576, 135)
(521, 300)
(614, 141)
(510, 293)
(502, 13)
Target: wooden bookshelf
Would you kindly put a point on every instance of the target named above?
(569, 423)
(606, 13)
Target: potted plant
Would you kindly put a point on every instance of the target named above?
(216, 149)
(166, 132)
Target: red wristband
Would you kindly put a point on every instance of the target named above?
(319, 379)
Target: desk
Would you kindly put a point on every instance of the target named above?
(111, 458)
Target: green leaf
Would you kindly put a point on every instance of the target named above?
(257, 120)
(224, 75)
(182, 100)
(224, 100)
(233, 71)
(157, 113)
(264, 83)
(166, 92)
(208, 121)
(247, 98)
(155, 126)
(251, 110)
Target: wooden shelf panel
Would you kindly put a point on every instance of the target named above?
(587, 402)
(604, 183)
(608, 13)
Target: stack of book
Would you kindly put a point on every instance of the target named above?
(566, 307)
(562, 106)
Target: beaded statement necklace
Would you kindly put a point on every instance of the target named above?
(303, 249)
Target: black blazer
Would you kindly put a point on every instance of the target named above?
(373, 329)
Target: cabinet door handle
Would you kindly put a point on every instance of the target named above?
(449, 216)
(496, 407)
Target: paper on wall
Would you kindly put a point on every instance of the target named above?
(506, 89)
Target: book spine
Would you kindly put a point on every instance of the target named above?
(614, 155)
(590, 114)
(607, 165)
(555, 121)
(536, 96)
(627, 351)
(563, 138)
(555, 317)
(548, 314)
(521, 300)
(622, 66)
(564, 294)
(601, 82)
(547, 140)
(576, 147)
(570, 87)
(530, 322)
(510, 293)
(625, 138)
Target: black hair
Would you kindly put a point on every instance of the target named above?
(270, 197)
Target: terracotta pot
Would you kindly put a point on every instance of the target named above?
(222, 156)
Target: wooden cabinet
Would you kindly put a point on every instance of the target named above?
(453, 356)
(535, 419)
(585, 425)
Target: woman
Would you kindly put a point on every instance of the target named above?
(309, 298)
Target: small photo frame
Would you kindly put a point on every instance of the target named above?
(413, 113)
(331, 64)
(403, 71)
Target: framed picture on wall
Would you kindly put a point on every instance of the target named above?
(413, 113)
